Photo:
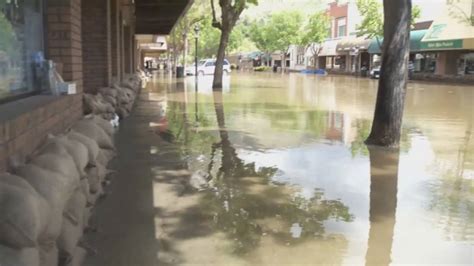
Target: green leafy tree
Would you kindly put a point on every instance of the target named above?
(230, 11)
(316, 31)
(277, 32)
(179, 37)
(457, 11)
(372, 19)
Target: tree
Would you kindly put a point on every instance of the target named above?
(277, 32)
(386, 127)
(458, 11)
(316, 31)
(230, 13)
(372, 19)
(259, 34)
(179, 36)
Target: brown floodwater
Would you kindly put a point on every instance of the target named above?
(274, 171)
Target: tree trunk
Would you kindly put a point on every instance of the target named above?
(394, 74)
(383, 204)
(283, 62)
(218, 72)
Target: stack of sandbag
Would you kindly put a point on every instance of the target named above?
(23, 222)
(115, 100)
(98, 105)
(46, 205)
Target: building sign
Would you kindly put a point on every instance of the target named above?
(451, 44)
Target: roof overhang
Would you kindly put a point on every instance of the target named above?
(159, 16)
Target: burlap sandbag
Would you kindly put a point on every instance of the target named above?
(55, 189)
(95, 175)
(92, 146)
(78, 257)
(59, 162)
(105, 156)
(48, 254)
(95, 132)
(75, 206)
(19, 257)
(102, 123)
(24, 215)
(75, 149)
(68, 240)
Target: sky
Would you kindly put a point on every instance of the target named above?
(430, 8)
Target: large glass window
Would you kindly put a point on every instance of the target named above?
(21, 40)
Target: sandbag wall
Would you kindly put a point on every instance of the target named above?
(116, 100)
(46, 203)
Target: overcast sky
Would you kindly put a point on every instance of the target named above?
(430, 8)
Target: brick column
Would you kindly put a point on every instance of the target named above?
(115, 37)
(96, 44)
(127, 49)
(64, 40)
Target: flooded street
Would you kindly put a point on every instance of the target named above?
(274, 171)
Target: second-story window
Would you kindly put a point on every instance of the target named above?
(341, 27)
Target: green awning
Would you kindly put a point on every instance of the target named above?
(415, 42)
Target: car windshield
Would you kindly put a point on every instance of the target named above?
(202, 62)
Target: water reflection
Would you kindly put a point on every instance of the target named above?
(289, 180)
(383, 204)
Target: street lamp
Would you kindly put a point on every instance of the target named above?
(196, 37)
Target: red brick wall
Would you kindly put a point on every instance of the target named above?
(63, 40)
(24, 133)
(96, 44)
(115, 37)
(25, 124)
(337, 11)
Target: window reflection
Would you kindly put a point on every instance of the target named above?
(20, 40)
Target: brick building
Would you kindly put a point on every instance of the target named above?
(93, 44)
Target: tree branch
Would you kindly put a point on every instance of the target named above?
(215, 23)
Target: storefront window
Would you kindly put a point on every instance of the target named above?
(469, 67)
(21, 39)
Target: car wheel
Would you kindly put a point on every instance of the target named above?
(226, 72)
(201, 73)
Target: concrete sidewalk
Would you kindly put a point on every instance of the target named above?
(125, 218)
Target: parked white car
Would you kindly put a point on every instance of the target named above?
(207, 67)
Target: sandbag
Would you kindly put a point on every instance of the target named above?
(68, 240)
(75, 149)
(55, 189)
(19, 257)
(95, 175)
(122, 112)
(102, 123)
(48, 255)
(61, 163)
(75, 206)
(112, 92)
(95, 132)
(78, 257)
(24, 213)
(92, 146)
(85, 188)
(105, 156)
(110, 99)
